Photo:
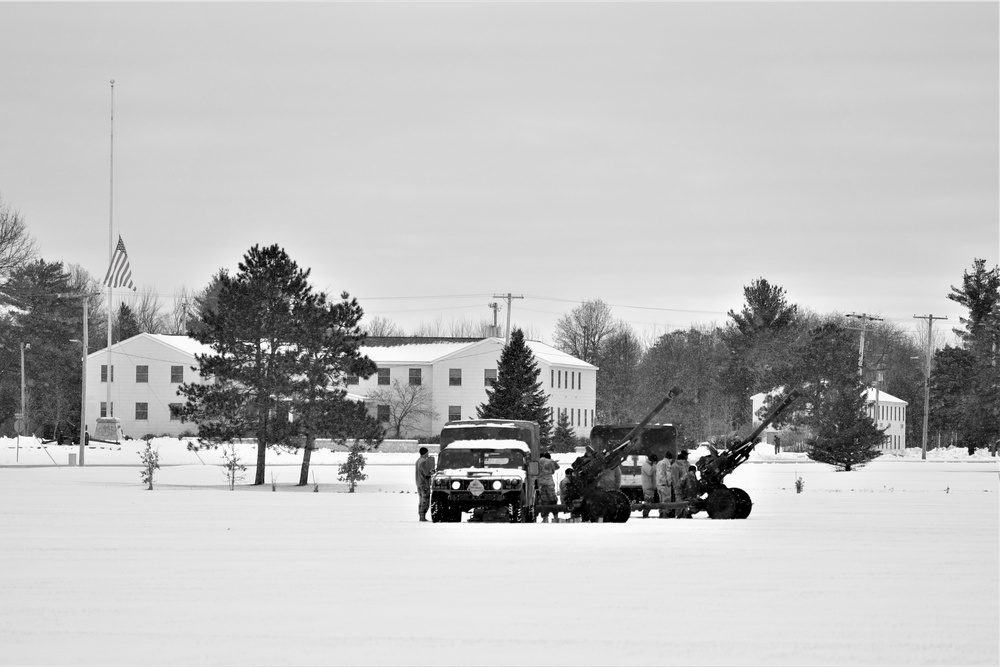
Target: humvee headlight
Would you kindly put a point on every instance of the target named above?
(456, 485)
(514, 483)
(497, 485)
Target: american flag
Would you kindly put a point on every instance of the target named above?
(119, 273)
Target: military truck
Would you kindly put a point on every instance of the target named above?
(653, 439)
(488, 468)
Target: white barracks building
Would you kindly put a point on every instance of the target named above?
(147, 370)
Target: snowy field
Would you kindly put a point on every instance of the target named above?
(897, 563)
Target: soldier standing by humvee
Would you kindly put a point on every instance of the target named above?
(546, 483)
(424, 470)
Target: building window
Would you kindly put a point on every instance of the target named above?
(382, 413)
(142, 411)
(383, 376)
(415, 377)
(558, 379)
(454, 412)
(572, 380)
(490, 377)
(175, 411)
(177, 374)
(552, 378)
(142, 373)
(352, 379)
(104, 409)
(454, 377)
(579, 381)
(104, 373)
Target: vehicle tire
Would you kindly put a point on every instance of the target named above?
(514, 510)
(721, 504)
(439, 511)
(743, 503)
(599, 505)
(624, 508)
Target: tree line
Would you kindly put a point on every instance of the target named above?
(771, 344)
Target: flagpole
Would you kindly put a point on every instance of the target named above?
(111, 241)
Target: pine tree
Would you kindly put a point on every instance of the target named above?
(252, 330)
(352, 470)
(517, 392)
(126, 325)
(563, 439)
(845, 436)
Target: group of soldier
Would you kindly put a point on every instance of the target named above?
(669, 480)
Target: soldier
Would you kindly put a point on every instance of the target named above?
(664, 482)
(567, 494)
(648, 476)
(424, 470)
(546, 484)
(688, 490)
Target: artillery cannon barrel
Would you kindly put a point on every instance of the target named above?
(792, 395)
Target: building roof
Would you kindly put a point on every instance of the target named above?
(183, 343)
(883, 397)
(431, 350)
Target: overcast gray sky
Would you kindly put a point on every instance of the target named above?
(659, 156)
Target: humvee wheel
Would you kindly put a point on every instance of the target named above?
(743, 503)
(443, 512)
(721, 504)
(624, 508)
(514, 510)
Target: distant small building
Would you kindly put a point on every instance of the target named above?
(891, 415)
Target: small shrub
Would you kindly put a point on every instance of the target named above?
(150, 464)
(799, 484)
(351, 470)
(232, 464)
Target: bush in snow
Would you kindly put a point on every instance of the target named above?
(150, 464)
(799, 484)
(350, 471)
(232, 464)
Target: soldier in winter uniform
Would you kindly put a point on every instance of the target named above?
(664, 482)
(424, 470)
(546, 483)
(648, 476)
(688, 490)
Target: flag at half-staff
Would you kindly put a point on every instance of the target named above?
(119, 273)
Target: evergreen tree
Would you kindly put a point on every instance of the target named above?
(253, 331)
(517, 392)
(563, 438)
(845, 436)
(352, 470)
(328, 342)
(126, 325)
(44, 318)
(965, 382)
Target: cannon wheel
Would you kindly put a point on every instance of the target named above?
(721, 504)
(624, 509)
(599, 505)
(743, 503)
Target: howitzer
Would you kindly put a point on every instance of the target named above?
(720, 501)
(607, 504)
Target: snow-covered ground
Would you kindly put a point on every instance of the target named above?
(896, 563)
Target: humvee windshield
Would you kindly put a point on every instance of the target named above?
(453, 433)
(456, 457)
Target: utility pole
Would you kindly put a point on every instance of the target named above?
(865, 318)
(927, 378)
(508, 296)
(494, 306)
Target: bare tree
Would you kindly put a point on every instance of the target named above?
(17, 247)
(583, 332)
(378, 327)
(148, 311)
(175, 321)
(429, 329)
(408, 404)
